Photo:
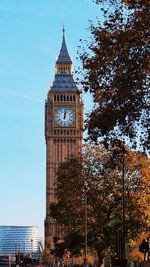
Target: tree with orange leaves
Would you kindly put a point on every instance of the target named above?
(102, 170)
(116, 73)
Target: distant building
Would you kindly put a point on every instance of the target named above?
(19, 238)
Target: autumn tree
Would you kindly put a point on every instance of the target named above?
(69, 195)
(104, 177)
(116, 73)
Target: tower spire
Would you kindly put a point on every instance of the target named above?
(63, 57)
(63, 73)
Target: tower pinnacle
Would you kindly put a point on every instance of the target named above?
(63, 57)
(64, 81)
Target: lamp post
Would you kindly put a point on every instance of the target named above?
(123, 213)
(31, 246)
(85, 189)
(24, 247)
(123, 239)
(121, 260)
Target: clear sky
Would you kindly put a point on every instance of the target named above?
(30, 40)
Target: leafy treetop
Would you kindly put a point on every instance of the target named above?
(116, 73)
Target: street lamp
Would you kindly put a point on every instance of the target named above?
(85, 189)
(121, 234)
(123, 213)
(31, 246)
(24, 247)
(122, 249)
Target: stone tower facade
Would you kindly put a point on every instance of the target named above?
(63, 129)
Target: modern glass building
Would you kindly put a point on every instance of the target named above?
(19, 238)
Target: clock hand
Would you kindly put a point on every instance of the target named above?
(64, 115)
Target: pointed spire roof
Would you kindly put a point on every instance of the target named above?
(63, 57)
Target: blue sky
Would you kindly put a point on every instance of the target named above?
(30, 40)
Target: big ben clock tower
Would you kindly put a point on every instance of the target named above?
(63, 129)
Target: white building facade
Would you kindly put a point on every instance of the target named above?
(24, 239)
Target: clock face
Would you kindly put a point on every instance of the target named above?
(64, 116)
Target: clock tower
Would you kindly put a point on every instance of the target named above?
(63, 129)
